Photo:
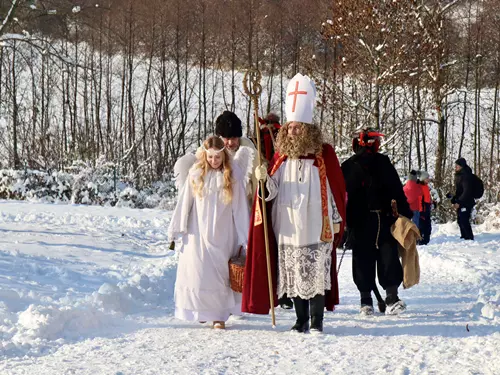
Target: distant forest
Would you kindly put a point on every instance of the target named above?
(140, 82)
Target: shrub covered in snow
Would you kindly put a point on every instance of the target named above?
(94, 185)
(35, 185)
(161, 194)
(83, 183)
(488, 215)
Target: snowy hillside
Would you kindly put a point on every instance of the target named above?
(89, 290)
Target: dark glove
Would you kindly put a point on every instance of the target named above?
(345, 242)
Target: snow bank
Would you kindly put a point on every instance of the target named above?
(488, 306)
(97, 283)
(74, 272)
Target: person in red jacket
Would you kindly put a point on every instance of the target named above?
(414, 194)
(425, 224)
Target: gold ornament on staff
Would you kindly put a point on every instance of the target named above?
(252, 87)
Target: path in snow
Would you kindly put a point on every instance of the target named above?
(88, 290)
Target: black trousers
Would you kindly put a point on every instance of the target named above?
(463, 220)
(367, 257)
(425, 225)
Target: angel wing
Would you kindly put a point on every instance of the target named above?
(181, 169)
(244, 159)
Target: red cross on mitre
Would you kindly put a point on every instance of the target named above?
(296, 92)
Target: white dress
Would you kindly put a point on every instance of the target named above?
(212, 233)
(304, 261)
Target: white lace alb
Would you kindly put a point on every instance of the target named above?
(304, 271)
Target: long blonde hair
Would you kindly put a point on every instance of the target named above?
(204, 166)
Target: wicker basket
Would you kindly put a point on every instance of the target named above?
(237, 271)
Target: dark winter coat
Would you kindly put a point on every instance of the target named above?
(371, 183)
(464, 187)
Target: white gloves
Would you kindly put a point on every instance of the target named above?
(261, 173)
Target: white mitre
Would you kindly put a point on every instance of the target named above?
(300, 99)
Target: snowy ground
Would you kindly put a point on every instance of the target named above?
(88, 290)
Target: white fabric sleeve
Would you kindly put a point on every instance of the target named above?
(181, 169)
(179, 221)
(241, 213)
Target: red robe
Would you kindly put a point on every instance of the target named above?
(267, 141)
(255, 284)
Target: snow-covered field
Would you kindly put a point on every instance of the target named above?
(89, 290)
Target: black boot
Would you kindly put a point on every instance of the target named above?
(391, 295)
(317, 312)
(302, 312)
(366, 299)
(285, 302)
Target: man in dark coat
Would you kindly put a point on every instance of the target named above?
(463, 200)
(372, 183)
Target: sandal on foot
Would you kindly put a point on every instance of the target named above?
(219, 325)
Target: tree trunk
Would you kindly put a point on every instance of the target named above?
(494, 131)
(15, 110)
(441, 144)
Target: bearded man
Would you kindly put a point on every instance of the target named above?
(305, 195)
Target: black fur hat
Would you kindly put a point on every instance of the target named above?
(461, 162)
(228, 125)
